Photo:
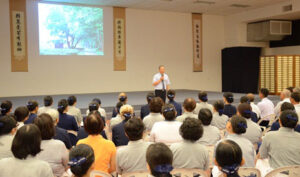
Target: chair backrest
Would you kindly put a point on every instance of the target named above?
(249, 172)
(290, 171)
(96, 173)
(189, 173)
(211, 150)
(136, 174)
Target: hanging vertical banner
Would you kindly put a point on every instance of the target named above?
(197, 42)
(18, 36)
(119, 39)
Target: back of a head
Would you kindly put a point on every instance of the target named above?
(245, 110)
(159, 158)
(5, 107)
(53, 114)
(72, 100)
(285, 94)
(228, 97)
(244, 99)
(251, 97)
(229, 157)
(32, 105)
(126, 112)
(134, 129)
(156, 104)
(93, 106)
(93, 124)
(46, 125)
(27, 141)
(81, 158)
(97, 100)
(191, 129)
(287, 106)
(202, 96)
(296, 97)
(7, 124)
(169, 112)
(150, 96)
(205, 116)
(48, 100)
(239, 124)
(291, 89)
(264, 92)
(289, 119)
(171, 94)
(21, 113)
(189, 104)
(219, 107)
(62, 105)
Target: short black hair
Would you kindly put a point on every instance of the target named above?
(219, 107)
(202, 96)
(189, 104)
(169, 112)
(46, 126)
(171, 94)
(264, 92)
(296, 96)
(27, 141)
(150, 96)
(72, 100)
(205, 116)
(93, 106)
(97, 100)
(291, 89)
(32, 105)
(191, 129)
(245, 110)
(156, 104)
(21, 113)
(48, 100)
(62, 105)
(134, 128)
(5, 107)
(79, 152)
(289, 119)
(7, 123)
(244, 99)
(287, 106)
(118, 106)
(93, 124)
(229, 97)
(239, 124)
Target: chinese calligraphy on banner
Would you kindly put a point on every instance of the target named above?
(19, 44)
(197, 42)
(119, 40)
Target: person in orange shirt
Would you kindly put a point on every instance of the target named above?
(105, 150)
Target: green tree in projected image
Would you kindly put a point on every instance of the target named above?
(73, 30)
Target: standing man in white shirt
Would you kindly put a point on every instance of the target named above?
(284, 97)
(161, 82)
(265, 106)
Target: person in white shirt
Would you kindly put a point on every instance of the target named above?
(118, 119)
(265, 106)
(100, 109)
(48, 102)
(21, 115)
(26, 145)
(211, 134)
(284, 97)
(73, 110)
(156, 105)
(166, 131)
(8, 128)
(161, 82)
(189, 106)
(219, 119)
(202, 103)
(54, 151)
(254, 107)
(295, 100)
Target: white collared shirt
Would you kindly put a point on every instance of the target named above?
(186, 115)
(278, 106)
(297, 108)
(5, 146)
(166, 132)
(157, 77)
(150, 119)
(255, 109)
(20, 124)
(202, 105)
(219, 121)
(73, 111)
(266, 107)
(115, 121)
(102, 112)
(44, 109)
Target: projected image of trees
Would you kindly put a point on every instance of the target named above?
(70, 30)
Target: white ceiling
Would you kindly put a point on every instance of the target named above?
(220, 7)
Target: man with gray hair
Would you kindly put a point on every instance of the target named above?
(284, 97)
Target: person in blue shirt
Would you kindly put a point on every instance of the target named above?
(33, 107)
(5, 108)
(145, 110)
(171, 96)
(245, 99)
(66, 121)
(229, 109)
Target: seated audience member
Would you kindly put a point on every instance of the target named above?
(105, 150)
(21, 114)
(166, 131)
(5, 108)
(94, 106)
(219, 119)
(189, 153)
(156, 105)
(53, 151)
(235, 127)
(33, 107)
(295, 100)
(229, 158)
(26, 145)
(100, 109)
(8, 128)
(282, 147)
(229, 109)
(145, 110)
(254, 107)
(189, 106)
(284, 97)
(132, 158)
(171, 94)
(291, 89)
(253, 131)
(159, 159)
(265, 106)
(118, 119)
(122, 98)
(73, 110)
(211, 134)
(48, 102)
(245, 99)
(60, 133)
(66, 121)
(202, 103)
(118, 133)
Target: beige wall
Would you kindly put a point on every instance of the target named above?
(153, 38)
